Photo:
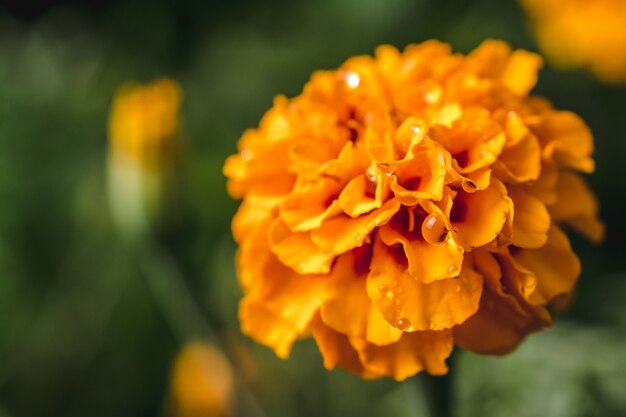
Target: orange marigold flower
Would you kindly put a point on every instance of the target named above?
(407, 203)
(582, 34)
(202, 383)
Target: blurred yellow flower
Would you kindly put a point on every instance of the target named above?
(202, 383)
(409, 202)
(144, 127)
(582, 34)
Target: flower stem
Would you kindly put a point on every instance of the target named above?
(439, 392)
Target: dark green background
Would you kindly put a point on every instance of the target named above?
(81, 331)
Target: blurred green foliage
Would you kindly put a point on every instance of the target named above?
(81, 330)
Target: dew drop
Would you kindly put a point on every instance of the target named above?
(453, 270)
(457, 288)
(416, 129)
(246, 154)
(403, 324)
(383, 288)
(434, 229)
(353, 79)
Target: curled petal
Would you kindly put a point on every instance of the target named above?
(336, 350)
(297, 251)
(531, 220)
(251, 212)
(474, 141)
(520, 163)
(577, 206)
(520, 72)
(411, 305)
(362, 194)
(426, 262)
(310, 203)
(267, 327)
(283, 299)
(478, 217)
(413, 353)
(347, 308)
(342, 233)
(256, 171)
(555, 264)
(498, 326)
(566, 139)
(421, 175)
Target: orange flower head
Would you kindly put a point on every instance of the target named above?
(202, 383)
(144, 130)
(582, 34)
(407, 203)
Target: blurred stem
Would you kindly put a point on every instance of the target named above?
(180, 308)
(439, 391)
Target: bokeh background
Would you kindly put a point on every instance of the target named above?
(90, 328)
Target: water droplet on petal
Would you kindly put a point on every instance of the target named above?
(457, 288)
(434, 229)
(353, 79)
(416, 129)
(403, 324)
(383, 288)
(453, 270)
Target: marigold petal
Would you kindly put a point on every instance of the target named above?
(336, 350)
(577, 206)
(566, 138)
(297, 250)
(359, 196)
(347, 308)
(520, 73)
(497, 327)
(478, 217)
(411, 305)
(342, 233)
(521, 162)
(411, 354)
(555, 264)
(282, 294)
(267, 327)
(310, 203)
(426, 262)
(531, 220)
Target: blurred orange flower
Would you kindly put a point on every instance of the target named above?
(144, 129)
(202, 383)
(582, 34)
(407, 203)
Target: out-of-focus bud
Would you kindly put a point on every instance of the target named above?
(202, 383)
(144, 130)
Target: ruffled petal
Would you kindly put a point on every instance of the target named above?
(555, 264)
(478, 217)
(342, 233)
(297, 251)
(521, 162)
(310, 203)
(336, 350)
(410, 305)
(577, 207)
(566, 139)
(498, 326)
(520, 72)
(427, 262)
(413, 353)
(531, 220)
(282, 299)
(347, 308)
